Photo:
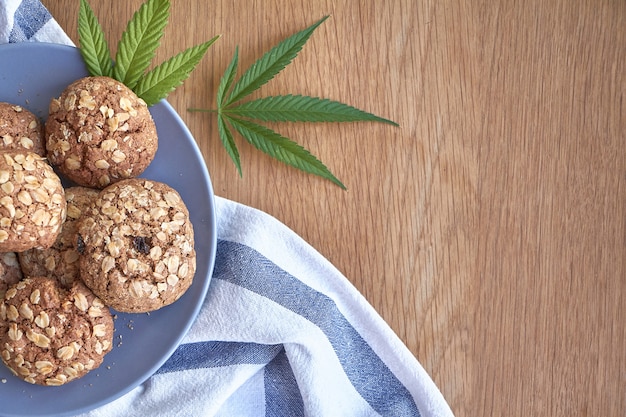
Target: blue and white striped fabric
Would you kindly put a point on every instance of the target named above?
(311, 346)
(28, 21)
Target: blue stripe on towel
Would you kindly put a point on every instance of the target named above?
(243, 266)
(282, 395)
(29, 17)
(215, 354)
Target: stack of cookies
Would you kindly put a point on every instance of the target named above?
(70, 254)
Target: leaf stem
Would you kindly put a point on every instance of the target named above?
(203, 110)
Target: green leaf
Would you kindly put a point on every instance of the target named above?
(282, 148)
(227, 78)
(93, 45)
(138, 44)
(271, 64)
(229, 143)
(164, 78)
(225, 135)
(297, 108)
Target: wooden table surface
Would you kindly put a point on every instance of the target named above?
(489, 229)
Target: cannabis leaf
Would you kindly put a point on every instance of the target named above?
(270, 64)
(288, 108)
(135, 51)
(93, 45)
(281, 148)
(139, 41)
(164, 78)
(299, 108)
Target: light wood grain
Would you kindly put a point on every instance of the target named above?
(489, 229)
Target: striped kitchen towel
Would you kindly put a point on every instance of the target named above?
(281, 332)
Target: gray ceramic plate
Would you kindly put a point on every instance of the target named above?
(30, 75)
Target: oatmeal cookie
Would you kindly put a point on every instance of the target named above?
(53, 335)
(60, 261)
(99, 132)
(137, 246)
(20, 129)
(10, 271)
(32, 202)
